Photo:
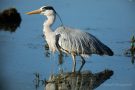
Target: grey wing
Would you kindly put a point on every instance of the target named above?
(80, 42)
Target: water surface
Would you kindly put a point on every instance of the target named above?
(22, 53)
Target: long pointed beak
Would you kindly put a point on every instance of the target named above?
(34, 12)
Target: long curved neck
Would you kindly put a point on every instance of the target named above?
(48, 23)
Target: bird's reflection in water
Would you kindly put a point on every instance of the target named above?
(10, 19)
(85, 80)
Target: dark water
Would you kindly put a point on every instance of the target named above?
(22, 53)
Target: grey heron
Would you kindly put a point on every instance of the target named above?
(69, 40)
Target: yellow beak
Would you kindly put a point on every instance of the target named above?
(34, 12)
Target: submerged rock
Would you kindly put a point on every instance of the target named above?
(10, 19)
(77, 81)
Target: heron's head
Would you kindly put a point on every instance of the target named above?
(44, 10)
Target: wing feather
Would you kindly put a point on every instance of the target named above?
(73, 40)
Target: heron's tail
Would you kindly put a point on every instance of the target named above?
(108, 51)
(102, 49)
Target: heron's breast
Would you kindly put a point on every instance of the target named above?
(51, 43)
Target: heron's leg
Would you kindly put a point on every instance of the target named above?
(74, 62)
(60, 58)
(82, 63)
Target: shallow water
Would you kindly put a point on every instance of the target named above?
(22, 53)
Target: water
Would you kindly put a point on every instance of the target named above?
(22, 53)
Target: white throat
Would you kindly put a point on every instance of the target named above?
(48, 33)
(48, 23)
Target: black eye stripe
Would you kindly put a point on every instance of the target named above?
(48, 8)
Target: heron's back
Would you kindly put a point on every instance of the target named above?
(73, 40)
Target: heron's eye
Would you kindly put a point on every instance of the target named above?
(44, 8)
